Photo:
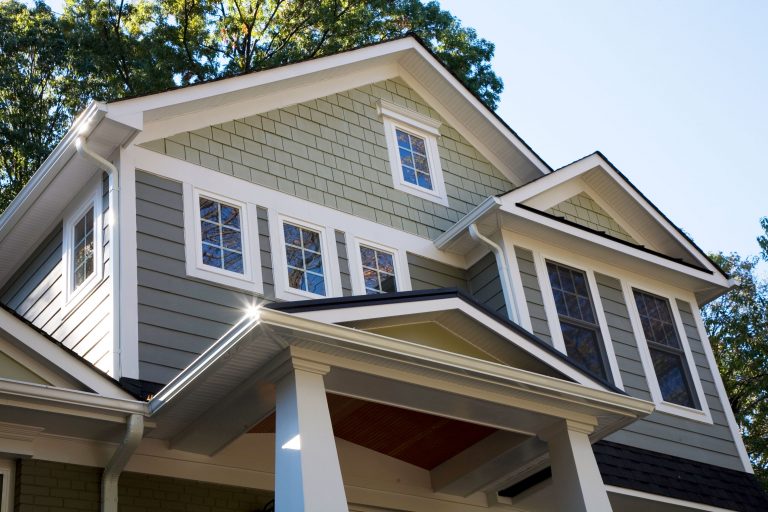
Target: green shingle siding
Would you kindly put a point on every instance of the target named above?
(332, 151)
(583, 210)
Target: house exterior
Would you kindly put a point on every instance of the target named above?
(345, 284)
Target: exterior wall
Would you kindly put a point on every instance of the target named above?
(532, 293)
(660, 431)
(428, 274)
(485, 285)
(341, 250)
(583, 210)
(332, 151)
(36, 292)
(43, 486)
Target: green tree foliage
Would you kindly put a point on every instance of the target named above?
(737, 324)
(51, 66)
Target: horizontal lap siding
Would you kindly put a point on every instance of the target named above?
(179, 316)
(485, 284)
(660, 431)
(36, 292)
(344, 270)
(532, 293)
(428, 274)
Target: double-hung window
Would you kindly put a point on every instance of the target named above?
(221, 235)
(304, 258)
(413, 152)
(378, 268)
(666, 351)
(578, 320)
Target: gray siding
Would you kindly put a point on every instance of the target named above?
(712, 444)
(485, 285)
(36, 292)
(533, 294)
(341, 249)
(428, 274)
(332, 151)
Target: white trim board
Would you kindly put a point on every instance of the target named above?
(664, 499)
(236, 188)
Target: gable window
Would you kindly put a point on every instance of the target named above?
(578, 321)
(413, 152)
(82, 246)
(221, 235)
(304, 258)
(219, 244)
(667, 354)
(378, 270)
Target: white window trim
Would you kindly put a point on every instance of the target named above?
(90, 197)
(394, 116)
(704, 415)
(280, 265)
(553, 318)
(8, 470)
(400, 259)
(251, 279)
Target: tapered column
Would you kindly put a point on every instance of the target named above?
(576, 478)
(307, 472)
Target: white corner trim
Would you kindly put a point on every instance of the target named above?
(395, 117)
(400, 259)
(89, 198)
(251, 279)
(329, 256)
(721, 393)
(127, 340)
(553, 319)
(704, 415)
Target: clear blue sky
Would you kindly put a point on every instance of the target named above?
(674, 93)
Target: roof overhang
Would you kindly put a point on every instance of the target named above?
(188, 108)
(39, 206)
(673, 258)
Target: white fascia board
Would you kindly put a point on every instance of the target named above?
(60, 358)
(82, 126)
(691, 505)
(489, 205)
(349, 314)
(715, 278)
(127, 110)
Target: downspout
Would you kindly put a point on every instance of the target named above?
(133, 433)
(114, 242)
(503, 269)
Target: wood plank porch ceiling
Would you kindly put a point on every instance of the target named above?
(414, 437)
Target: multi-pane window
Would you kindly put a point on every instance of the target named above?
(221, 235)
(578, 322)
(413, 159)
(667, 353)
(83, 264)
(378, 270)
(303, 254)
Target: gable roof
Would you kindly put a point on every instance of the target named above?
(352, 309)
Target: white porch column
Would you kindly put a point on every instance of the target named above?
(575, 475)
(307, 472)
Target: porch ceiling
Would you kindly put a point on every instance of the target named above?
(421, 439)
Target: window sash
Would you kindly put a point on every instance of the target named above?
(221, 237)
(305, 267)
(377, 272)
(83, 248)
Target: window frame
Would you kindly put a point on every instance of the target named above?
(402, 275)
(553, 316)
(396, 117)
(702, 415)
(90, 198)
(328, 254)
(251, 279)
(8, 471)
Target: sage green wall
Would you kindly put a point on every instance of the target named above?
(583, 210)
(332, 151)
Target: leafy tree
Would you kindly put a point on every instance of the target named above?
(737, 324)
(108, 49)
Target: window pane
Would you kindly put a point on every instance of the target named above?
(83, 264)
(583, 346)
(378, 270)
(424, 180)
(409, 175)
(221, 238)
(672, 376)
(413, 159)
(388, 283)
(417, 144)
(656, 317)
(385, 262)
(368, 257)
(403, 139)
(303, 253)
